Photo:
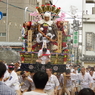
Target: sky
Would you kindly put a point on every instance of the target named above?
(65, 5)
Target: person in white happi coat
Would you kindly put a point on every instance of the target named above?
(75, 69)
(66, 83)
(43, 57)
(13, 79)
(75, 78)
(85, 79)
(92, 73)
(32, 72)
(6, 76)
(43, 54)
(52, 84)
(24, 82)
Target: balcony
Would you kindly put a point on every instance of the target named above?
(89, 18)
(90, 1)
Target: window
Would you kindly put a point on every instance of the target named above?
(38, 4)
(90, 41)
(30, 17)
(2, 34)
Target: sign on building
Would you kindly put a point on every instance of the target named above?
(29, 40)
(90, 41)
(59, 41)
(75, 33)
(1, 15)
(75, 38)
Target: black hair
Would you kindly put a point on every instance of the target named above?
(86, 91)
(68, 71)
(11, 67)
(2, 69)
(18, 70)
(40, 79)
(22, 72)
(32, 71)
(44, 49)
(92, 69)
(75, 66)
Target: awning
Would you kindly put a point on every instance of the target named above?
(88, 58)
(10, 43)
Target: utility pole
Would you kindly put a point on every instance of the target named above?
(83, 12)
(25, 13)
(75, 39)
(7, 26)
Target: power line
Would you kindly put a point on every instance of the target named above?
(66, 13)
(15, 6)
(29, 10)
(56, 2)
(62, 10)
(23, 3)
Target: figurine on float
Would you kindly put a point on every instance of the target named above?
(44, 29)
(24, 33)
(47, 29)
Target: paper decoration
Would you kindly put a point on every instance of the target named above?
(29, 40)
(61, 17)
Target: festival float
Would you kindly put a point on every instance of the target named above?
(45, 32)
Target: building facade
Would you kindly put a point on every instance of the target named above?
(88, 38)
(16, 14)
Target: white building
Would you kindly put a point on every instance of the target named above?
(88, 39)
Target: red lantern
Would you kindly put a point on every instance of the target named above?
(22, 58)
(64, 59)
(29, 23)
(64, 44)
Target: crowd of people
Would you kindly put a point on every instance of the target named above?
(75, 81)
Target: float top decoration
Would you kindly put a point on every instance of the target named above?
(48, 29)
(49, 8)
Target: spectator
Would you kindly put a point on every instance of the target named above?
(85, 79)
(66, 82)
(32, 72)
(24, 82)
(17, 66)
(4, 89)
(86, 91)
(92, 73)
(13, 81)
(52, 84)
(6, 75)
(40, 79)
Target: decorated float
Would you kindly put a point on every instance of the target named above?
(47, 29)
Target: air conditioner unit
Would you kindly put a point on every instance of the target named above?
(90, 1)
(93, 10)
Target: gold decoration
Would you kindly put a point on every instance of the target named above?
(43, 8)
(48, 7)
(57, 10)
(53, 8)
(39, 9)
